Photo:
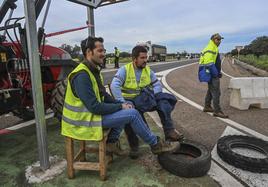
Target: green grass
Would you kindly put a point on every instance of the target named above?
(125, 60)
(121, 60)
(19, 150)
(261, 62)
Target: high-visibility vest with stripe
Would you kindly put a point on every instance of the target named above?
(77, 122)
(117, 53)
(209, 54)
(131, 88)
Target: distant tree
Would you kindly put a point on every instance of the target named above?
(259, 46)
(76, 51)
(125, 54)
(73, 51)
(109, 55)
(246, 50)
(184, 53)
(234, 52)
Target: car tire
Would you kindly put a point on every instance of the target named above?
(227, 143)
(191, 160)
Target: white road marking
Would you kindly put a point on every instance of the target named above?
(27, 123)
(216, 172)
(154, 64)
(224, 72)
(229, 121)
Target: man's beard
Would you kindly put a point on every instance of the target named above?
(142, 66)
(97, 63)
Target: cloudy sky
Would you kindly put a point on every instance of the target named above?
(178, 24)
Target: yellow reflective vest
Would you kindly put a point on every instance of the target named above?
(77, 122)
(117, 53)
(209, 54)
(131, 88)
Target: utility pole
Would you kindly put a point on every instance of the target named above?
(90, 17)
(37, 92)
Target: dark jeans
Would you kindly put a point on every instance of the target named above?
(213, 93)
(116, 62)
(165, 117)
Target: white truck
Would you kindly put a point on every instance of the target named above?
(155, 52)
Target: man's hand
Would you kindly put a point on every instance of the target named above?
(127, 106)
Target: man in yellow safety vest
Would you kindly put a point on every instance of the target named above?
(127, 84)
(210, 72)
(88, 108)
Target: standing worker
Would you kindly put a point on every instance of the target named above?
(116, 57)
(210, 72)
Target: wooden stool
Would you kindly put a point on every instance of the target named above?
(78, 162)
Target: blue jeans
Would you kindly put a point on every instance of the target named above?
(118, 120)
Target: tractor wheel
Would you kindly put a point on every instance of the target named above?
(57, 98)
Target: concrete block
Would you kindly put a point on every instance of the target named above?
(266, 87)
(246, 91)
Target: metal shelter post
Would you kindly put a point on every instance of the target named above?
(90, 17)
(37, 92)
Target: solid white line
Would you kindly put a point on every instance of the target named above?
(229, 121)
(216, 172)
(27, 123)
(226, 74)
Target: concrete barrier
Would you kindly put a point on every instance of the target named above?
(246, 91)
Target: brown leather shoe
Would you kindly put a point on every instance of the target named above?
(208, 109)
(173, 135)
(115, 148)
(164, 146)
(220, 114)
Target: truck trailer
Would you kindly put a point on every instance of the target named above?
(155, 52)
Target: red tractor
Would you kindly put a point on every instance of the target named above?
(15, 81)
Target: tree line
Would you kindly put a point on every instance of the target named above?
(257, 47)
(75, 52)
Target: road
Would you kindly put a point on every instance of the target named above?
(156, 67)
(206, 129)
(10, 120)
(185, 82)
